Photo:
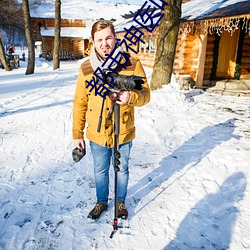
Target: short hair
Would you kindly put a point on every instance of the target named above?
(100, 25)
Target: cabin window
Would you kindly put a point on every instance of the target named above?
(147, 47)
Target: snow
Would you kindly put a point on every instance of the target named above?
(113, 9)
(81, 32)
(192, 10)
(189, 169)
(197, 9)
(85, 10)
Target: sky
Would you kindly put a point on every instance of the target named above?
(189, 169)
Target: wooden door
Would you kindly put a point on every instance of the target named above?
(227, 55)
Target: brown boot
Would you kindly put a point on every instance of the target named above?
(122, 211)
(97, 210)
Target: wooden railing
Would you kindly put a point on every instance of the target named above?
(63, 55)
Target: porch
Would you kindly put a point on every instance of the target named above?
(231, 87)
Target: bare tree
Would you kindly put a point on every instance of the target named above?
(11, 24)
(165, 53)
(36, 3)
(11, 16)
(3, 57)
(28, 33)
(56, 59)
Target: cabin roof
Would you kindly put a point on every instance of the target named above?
(196, 10)
(83, 10)
(77, 32)
(209, 9)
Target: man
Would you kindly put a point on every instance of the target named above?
(86, 109)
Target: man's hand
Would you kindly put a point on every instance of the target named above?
(79, 143)
(123, 97)
(79, 151)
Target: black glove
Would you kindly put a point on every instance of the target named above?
(78, 153)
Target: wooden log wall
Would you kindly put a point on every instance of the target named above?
(73, 45)
(187, 50)
(209, 57)
(186, 55)
(66, 44)
(209, 75)
(47, 45)
(38, 23)
(79, 46)
(50, 22)
(146, 51)
(245, 60)
(178, 61)
(190, 56)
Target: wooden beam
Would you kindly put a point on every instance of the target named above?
(201, 60)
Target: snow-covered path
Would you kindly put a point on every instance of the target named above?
(189, 171)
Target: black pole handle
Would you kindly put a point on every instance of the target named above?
(100, 117)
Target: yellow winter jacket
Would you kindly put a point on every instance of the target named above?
(87, 107)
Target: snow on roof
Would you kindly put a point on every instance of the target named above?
(83, 10)
(114, 9)
(138, 2)
(92, 10)
(79, 32)
(197, 10)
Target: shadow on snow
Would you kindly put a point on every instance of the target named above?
(209, 225)
(23, 110)
(189, 155)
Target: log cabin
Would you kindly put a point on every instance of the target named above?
(77, 19)
(74, 37)
(213, 42)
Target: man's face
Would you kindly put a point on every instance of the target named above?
(104, 42)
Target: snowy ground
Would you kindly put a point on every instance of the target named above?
(189, 170)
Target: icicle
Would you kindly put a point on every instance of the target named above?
(217, 25)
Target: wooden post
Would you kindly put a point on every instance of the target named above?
(201, 60)
(140, 44)
(149, 45)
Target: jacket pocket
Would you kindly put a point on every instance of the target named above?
(127, 120)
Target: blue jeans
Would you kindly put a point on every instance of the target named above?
(102, 158)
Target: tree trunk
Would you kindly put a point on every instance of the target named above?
(165, 53)
(3, 57)
(28, 33)
(56, 59)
